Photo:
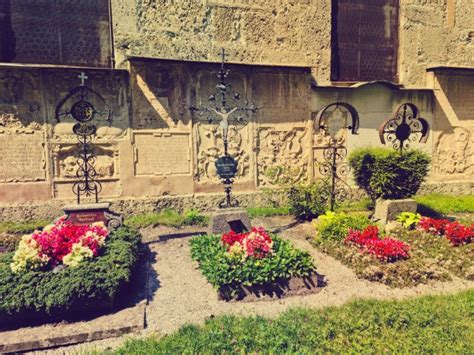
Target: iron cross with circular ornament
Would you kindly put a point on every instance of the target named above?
(406, 126)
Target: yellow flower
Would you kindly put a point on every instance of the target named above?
(27, 255)
(77, 254)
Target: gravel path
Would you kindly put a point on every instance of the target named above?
(179, 294)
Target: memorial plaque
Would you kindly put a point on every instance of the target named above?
(22, 157)
(91, 213)
(162, 154)
(226, 167)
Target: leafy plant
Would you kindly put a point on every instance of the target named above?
(409, 220)
(9, 242)
(387, 174)
(221, 270)
(336, 226)
(54, 292)
(308, 201)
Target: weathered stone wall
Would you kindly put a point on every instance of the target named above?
(453, 138)
(36, 151)
(434, 32)
(280, 32)
(162, 123)
(286, 32)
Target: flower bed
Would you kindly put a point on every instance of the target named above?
(457, 233)
(252, 263)
(411, 258)
(53, 279)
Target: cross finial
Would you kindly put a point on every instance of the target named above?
(223, 58)
(83, 78)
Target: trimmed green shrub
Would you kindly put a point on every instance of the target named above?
(387, 174)
(308, 201)
(335, 226)
(224, 271)
(54, 292)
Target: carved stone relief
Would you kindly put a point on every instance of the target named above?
(282, 157)
(210, 147)
(113, 89)
(65, 162)
(454, 154)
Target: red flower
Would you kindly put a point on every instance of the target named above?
(387, 249)
(56, 241)
(459, 234)
(433, 226)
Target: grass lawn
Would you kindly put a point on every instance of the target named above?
(21, 227)
(256, 212)
(435, 324)
(167, 217)
(445, 204)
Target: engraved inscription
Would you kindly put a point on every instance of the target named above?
(162, 154)
(22, 157)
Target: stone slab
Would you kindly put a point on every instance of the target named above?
(388, 210)
(225, 220)
(126, 321)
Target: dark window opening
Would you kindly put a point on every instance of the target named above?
(66, 32)
(364, 40)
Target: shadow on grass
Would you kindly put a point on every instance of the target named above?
(424, 210)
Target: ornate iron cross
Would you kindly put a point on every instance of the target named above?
(331, 119)
(83, 112)
(406, 126)
(225, 107)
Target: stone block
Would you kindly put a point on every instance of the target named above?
(388, 210)
(225, 220)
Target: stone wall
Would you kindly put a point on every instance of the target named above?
(279, 32)
(36, 151)
(286, 32)
(453, 138)
(434, 32)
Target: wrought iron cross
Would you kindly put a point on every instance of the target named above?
(78, 105)
(406, 126)
(334, 166)
(223, 106)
